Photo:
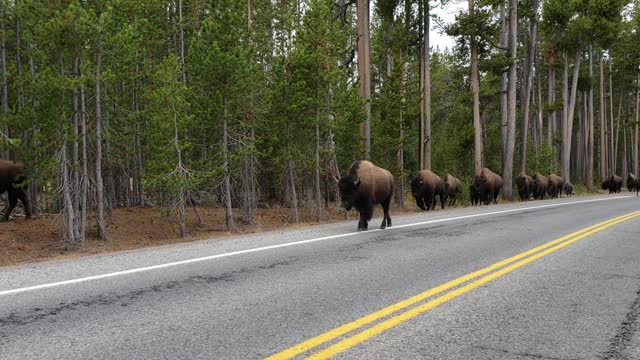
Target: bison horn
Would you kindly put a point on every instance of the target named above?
(357, 182)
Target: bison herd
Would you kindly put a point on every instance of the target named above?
(366, 185)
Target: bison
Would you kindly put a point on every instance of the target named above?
(425, 187)
(555, 185)
(452, 188)
(364, 186)
(487, 185)
(540, 185)
(525, 185)
(568, 188)
(633, 183)
(613, 184)
(12, 180)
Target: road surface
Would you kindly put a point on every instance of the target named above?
(534, 280)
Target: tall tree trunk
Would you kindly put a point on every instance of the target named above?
(504, 81)
(181, 196)
(475, 90)
(364, 71)
(635, 132)
(84, 192)
(425, 136)
(102, 229)
(70, 229)
(75, 169)
(603, 125)
(507, 171)
(540, 112)
(109, 181)
(316, 172)
(7, 153)
(551, 100)
(227, 177)
(612, 164)
(591, 121)
(294, 194)
(528, 84)
(615, 143)
(139, 173)
(568, 123)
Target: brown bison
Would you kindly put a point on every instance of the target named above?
(633, 183)
(364, 186)
(540, 185)
(555, 185)
(12, 180)
(613, 184)
(425, 187)
(525, 186)
(488, 185)
(568, 188)
(452, 188)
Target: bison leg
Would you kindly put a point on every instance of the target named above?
(386, 219)
(25, 202)
(13, 200)
(443, 199)
(365, 215)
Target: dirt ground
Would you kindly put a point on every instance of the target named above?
(41, 238)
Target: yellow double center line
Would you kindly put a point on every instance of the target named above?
(505, 266)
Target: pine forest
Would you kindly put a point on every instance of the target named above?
(244, 104)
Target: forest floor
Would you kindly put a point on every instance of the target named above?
(40, 239)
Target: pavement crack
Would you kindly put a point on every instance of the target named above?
(128, 298)
(629, 327)
(515, 353)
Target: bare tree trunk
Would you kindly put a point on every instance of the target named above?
(109, 181)
(70, 233)
(504, 81)
(551, 100)
(85, 167)
(540, 117)
(400, 192)
(612, 165)
(316, 172)
(603, 125)
(625, 165)
(425, 137)
(249, 180)
(614, 153)
(364, 71)
(7, 153)
(139, 173)
(591, 121)
(294, 194)
(635, 141)
(75, 170)
(529, 62)
(507, 170)
(475, 89)
(102, 230)
(227, 176)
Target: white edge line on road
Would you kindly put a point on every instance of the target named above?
(249, 251)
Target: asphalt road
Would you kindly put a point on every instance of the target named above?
(260, 295)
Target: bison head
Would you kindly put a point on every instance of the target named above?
(349, 186)
(605, 185)
(416, 190)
